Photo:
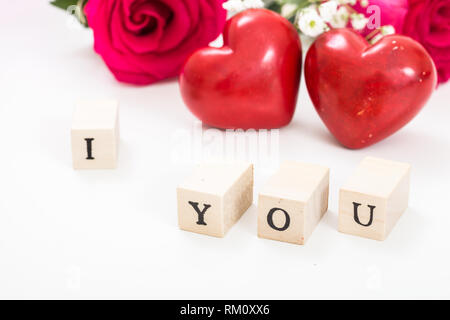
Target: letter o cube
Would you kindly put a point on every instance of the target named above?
(214, 197)
(292, 202)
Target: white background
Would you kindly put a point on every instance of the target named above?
(114, 234)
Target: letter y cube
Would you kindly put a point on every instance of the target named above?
(213, 199)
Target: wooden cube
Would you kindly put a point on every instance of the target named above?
(95, 135)
(213, 199)
(292, 202)
(374, 198)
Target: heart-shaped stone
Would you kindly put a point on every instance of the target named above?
(364, 93)
(253, 80)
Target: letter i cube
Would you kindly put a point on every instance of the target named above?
(374, 198)
(293, 202)
(214, 198)
(95, 135)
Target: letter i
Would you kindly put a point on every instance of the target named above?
(89, 148)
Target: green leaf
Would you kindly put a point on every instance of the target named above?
(74, 7)
(64, 4)
(274, 6)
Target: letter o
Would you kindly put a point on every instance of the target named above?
(270, 219)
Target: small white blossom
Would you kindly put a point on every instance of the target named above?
(234, 6)
(359, 21)
(253, 4)
(310, 23)
(328, 9)
(350, 2)
(340, 19)
(364, 3)
(387, 30)
(288, 9)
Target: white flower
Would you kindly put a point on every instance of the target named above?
(359, 21)
(288, 9)
(340, 19)
(234, 6)
(364, 3)
(310, 23)
(350, 2)
(387, 30)
(328, 9)
(253, 4)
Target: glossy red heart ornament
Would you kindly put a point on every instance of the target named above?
(253, 80)
(365, 93)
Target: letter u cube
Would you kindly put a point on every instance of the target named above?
(374, 198)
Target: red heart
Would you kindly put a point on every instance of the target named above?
(366, 93)
(252, 81)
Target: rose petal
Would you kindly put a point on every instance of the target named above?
(141, 43)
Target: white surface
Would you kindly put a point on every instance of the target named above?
(95, 114)
(114, 234)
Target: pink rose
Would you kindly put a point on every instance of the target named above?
(428, 21)
(144, 41)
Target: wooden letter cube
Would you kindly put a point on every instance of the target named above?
(213, 199)
(95, 135)
(293, 202)
(374, 198)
